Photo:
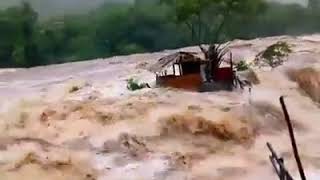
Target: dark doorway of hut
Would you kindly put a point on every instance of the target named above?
(195, 72)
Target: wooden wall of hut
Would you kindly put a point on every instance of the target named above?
(191, 82)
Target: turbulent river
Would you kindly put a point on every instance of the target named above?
(79, 121)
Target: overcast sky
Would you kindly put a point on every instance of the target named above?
(304, 2)
(10, 2)
(56, 7)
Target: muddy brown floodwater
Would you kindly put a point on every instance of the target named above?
(78, 121)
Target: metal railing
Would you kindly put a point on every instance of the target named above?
(278, 162)
(278, 165)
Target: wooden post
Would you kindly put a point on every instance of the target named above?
(157, 79)
(180, 70)
(233, 81)
(231, 60)
(174, 69)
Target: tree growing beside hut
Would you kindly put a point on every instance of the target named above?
(208, 19)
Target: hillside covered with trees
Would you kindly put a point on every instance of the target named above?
(126, 28)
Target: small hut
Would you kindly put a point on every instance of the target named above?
(187, 70)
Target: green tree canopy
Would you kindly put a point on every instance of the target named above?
(18, 26)
(145, 26)
(195, 15)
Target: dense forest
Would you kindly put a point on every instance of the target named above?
(116, 28)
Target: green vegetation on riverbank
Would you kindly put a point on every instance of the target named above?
(124, 28)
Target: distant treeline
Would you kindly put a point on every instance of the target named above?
(122, 28)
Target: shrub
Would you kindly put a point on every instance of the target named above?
(134, 85)
(242, 66)
(274, 55)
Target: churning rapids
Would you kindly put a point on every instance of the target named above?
(78, 120)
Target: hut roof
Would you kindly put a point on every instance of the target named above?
(178, 57)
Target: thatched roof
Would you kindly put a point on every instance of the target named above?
(179, 57)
